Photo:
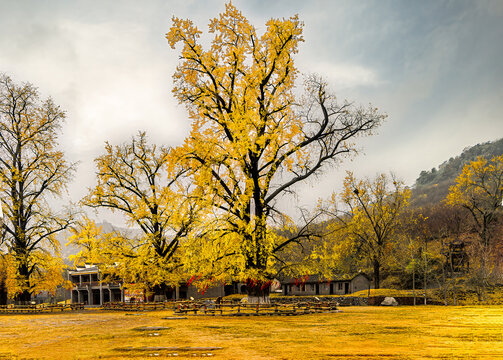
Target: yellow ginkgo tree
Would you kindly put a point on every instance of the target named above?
(368, 220)
(253, 139)
(31, 170)
(148, 186)
(479, 189)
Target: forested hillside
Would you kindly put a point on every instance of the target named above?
(432, 186)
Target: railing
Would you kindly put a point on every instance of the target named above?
(112, 284)
(84, 284)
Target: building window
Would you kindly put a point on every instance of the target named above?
(339, 286)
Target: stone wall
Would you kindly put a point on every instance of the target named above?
(352, 300)
(342, 300)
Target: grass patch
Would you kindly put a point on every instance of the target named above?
(425, 332)
(385, 292)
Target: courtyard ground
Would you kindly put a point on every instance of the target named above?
(423, 332)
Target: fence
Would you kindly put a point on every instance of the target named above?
(232, 309)
(40, 308)
(137, 306)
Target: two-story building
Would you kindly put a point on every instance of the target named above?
(89, 289)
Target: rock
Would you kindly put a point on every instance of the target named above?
(389, 301)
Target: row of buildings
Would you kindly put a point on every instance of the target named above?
(89, 288)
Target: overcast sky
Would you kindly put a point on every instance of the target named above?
(435, 67)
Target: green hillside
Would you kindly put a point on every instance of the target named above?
(432, 186)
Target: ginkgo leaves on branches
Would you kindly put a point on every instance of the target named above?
(148, 186)
(365, 228)
(252, 139)
(31, 170)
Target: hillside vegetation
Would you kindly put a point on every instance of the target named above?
(432, 186)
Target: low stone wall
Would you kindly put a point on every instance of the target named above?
(353, 300)
(341, 300)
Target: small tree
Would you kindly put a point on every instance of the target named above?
(31, 168)
(479, 189)
(250, 141)
(374, 207)
(407, 255)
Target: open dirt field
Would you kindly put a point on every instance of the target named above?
(425, 332)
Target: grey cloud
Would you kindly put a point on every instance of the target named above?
(434, 66)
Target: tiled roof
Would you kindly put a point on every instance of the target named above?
(85, 270)
(307, 279)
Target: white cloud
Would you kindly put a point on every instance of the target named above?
(343, 76)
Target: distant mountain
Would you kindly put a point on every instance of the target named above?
(433, 186)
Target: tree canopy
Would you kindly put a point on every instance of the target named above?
(366, 226)
(252, 138)
(479, 189)
(147, 185)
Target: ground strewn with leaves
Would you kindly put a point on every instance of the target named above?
(358, 332)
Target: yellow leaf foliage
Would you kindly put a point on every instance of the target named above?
(251, 140)
(31, 169)
(479, 187)
(148, 186)
(365, 227)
